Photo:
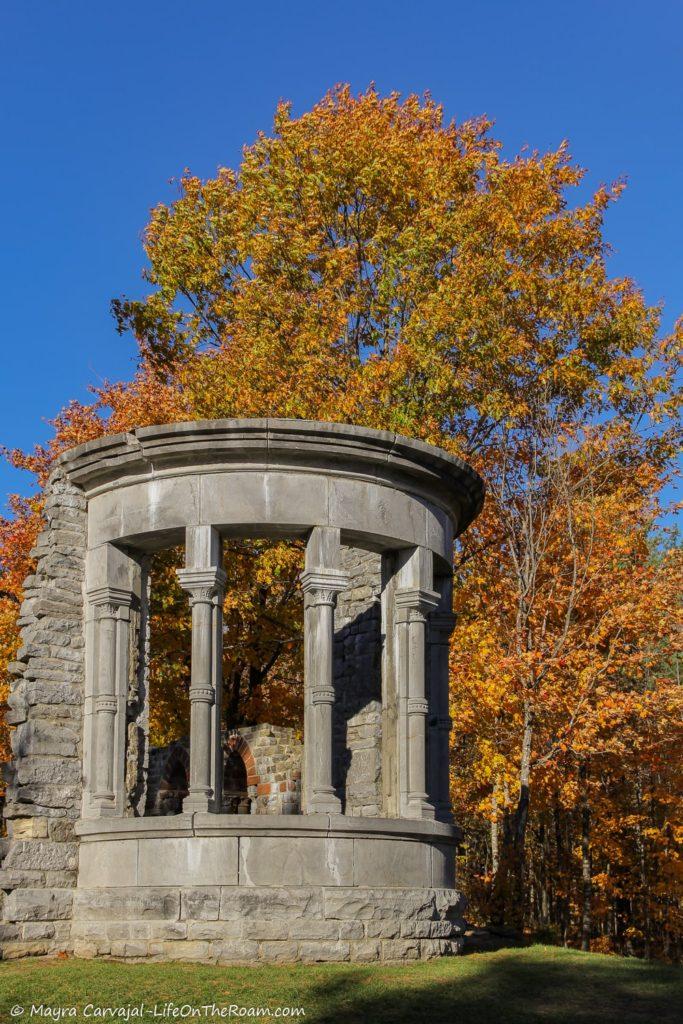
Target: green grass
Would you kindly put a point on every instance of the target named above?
(510, 986)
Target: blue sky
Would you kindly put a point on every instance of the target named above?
(103, 104)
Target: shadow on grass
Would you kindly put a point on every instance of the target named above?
(506, 988)
(533, 985)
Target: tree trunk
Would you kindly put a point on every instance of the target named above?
(495, 858)
(586, 883)
(508, 897)
(543, 875)
(642, 863)
(561, 899)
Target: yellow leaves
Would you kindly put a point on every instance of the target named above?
(579, 638)
(365, 232)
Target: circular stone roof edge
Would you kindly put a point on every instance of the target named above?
(162, 446)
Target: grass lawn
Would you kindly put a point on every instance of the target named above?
(510, 986)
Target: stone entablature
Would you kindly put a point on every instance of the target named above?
(283, 475)
(378, 514)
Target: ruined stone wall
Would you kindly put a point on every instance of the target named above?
(273, 757)
(40, 861)
(277, 754)
(202, 888)
(159, 762)
(358, 685)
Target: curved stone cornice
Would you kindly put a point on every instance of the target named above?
(199, 824)
(335, 449)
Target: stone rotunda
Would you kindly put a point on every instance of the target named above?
(358, 862)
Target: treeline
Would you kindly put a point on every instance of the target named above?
(601, 875)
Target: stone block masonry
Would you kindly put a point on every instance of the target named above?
(276, 760)
(357, 721)
(225, 924)
(46, 711)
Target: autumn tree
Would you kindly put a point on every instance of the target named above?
(370, 262)
(580, 622)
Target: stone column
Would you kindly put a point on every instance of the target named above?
(205, 584)
(217, 717)
(113, 580)
(137, 703)
(321, 582)
(111, 606)
(441, 625)
(414, 600)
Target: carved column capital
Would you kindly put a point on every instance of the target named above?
(321, 586)
(414, 603)
(203, 585)
(322, 695)
(111, 602)
(106, 704)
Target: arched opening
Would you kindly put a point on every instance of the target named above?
(236, 798)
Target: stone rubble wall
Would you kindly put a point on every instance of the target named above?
(358, 685)
(277, 754)
(158, 761)
(226, 924)
(44, 793)
(137, 703)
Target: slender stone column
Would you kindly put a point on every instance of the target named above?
(137, 702)
(413, 604)
(441, 625)
(112, 617)
(321, 583)
(205, 586)
(217, 717)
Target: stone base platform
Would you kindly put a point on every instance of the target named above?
(232, 888)
(225, 924)
(222, 924)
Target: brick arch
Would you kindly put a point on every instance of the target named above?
(242, 748)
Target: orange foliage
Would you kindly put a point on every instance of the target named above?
(369, 262)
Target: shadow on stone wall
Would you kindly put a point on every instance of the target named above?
(357, 713)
